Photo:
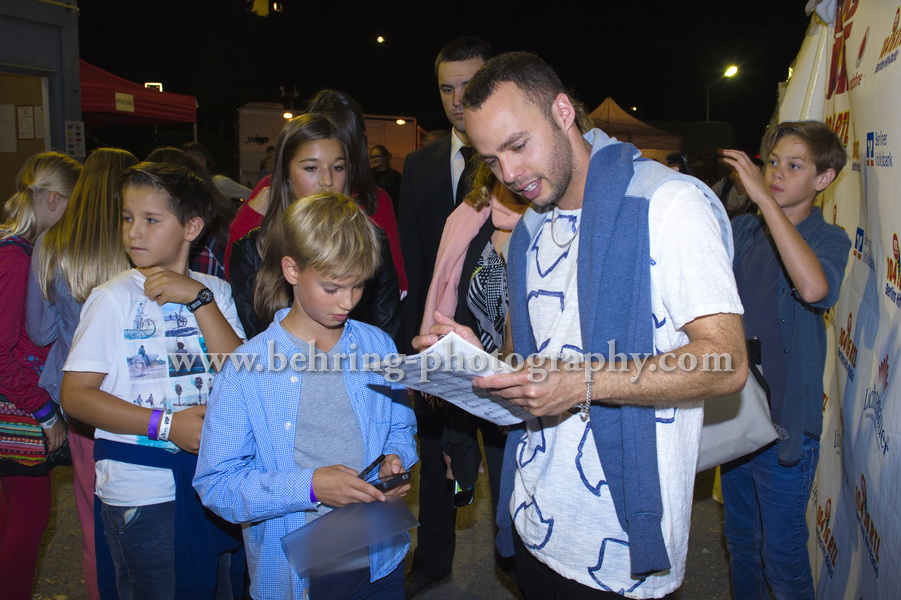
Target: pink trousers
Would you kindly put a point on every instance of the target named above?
(82, 448)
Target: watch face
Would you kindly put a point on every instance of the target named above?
(203, 298)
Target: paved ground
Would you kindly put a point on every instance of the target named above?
(475, 576)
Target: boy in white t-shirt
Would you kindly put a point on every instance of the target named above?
(139, 372)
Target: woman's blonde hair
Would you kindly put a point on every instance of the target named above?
(326, 232)
(42, 173)
(85, 246)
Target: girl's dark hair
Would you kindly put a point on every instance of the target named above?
(347, 119)
(200, 149)
(297, 132)
(675, 158)
(223, 209)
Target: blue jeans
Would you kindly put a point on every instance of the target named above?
(355, 585)
(142, 543)
(765, 525)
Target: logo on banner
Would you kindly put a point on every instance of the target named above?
(839, 124)
(847, 350)
(838, 444)
(871, 538)
(825, 539)
(838, 70)
(893, 273)
(889, 53)
(863, 248)
(878, 155)
(855, 156)
(873, 404)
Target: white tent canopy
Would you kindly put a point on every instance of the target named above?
(616, 122)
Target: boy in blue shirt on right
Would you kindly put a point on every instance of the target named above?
(789, 264)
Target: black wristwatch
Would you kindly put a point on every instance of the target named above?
(204, 297)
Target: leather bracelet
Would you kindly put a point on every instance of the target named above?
(153, 426)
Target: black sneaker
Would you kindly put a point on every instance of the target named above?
(417, 583)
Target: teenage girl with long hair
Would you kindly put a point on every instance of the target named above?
(80, 252)
(309, 159)
(346, 117)
(31, 431)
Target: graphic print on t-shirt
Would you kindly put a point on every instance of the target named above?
(167, 362)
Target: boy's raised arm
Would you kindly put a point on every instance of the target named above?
(802, 265)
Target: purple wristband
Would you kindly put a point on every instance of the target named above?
(153, 427)
(45, 413)
(313, 495)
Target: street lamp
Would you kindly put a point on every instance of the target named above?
(732, 70)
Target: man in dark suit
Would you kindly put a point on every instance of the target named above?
(430, 190)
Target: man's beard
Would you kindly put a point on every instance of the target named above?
(560, 170)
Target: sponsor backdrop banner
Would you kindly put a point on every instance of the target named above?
(848, 75)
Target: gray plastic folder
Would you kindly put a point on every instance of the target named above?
(344, 530)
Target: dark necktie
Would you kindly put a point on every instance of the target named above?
(465, 184)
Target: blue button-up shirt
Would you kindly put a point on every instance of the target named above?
(801, 324)
(246, 471)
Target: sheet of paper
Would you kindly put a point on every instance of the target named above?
(344, 530)
(446, 370)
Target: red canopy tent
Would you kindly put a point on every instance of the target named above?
(107, 99)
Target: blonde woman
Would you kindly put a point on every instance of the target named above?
(31, 431)
(80, 252)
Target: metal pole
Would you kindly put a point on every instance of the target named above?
(708, 101)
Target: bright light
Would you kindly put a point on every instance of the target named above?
(731, 71)
(401, 122)
(634, 109)
(380, 39)
(154, 85)
(288, 115)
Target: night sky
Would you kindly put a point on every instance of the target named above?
(654, 55)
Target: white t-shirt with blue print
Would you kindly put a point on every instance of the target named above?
(154, 357)
(561, 506)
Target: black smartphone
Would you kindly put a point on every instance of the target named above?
(462, 496)
(392, 482)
